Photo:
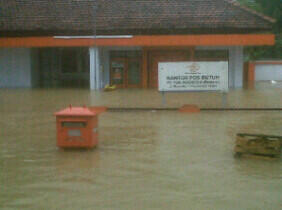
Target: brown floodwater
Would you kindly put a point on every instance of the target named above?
(145, 159)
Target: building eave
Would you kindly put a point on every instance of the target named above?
(144, 41)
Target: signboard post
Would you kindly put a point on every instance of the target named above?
(193, 76)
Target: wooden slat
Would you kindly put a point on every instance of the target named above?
(262, 145)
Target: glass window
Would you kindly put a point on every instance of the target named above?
(134, 75)
(75, 60)
(69, 61)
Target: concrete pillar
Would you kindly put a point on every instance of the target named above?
(95, 74)
(231, 68)
(236, 67)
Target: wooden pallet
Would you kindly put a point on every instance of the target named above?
(264, 146)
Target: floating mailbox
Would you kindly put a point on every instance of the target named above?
(77, 127)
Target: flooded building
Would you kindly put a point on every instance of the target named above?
(74, 43)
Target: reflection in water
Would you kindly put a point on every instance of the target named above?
(68, 160)
(259, 168)
(145, 160)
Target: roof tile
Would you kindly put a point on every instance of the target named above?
(127, 16)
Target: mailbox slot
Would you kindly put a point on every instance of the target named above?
(74, 124)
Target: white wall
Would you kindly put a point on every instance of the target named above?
(268, 72)
(15, 67)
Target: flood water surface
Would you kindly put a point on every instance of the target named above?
(145, 159)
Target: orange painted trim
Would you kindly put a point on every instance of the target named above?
(251, 75)
(145, 41)
(267, 62)
(167, 48)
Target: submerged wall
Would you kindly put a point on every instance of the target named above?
(262, 71)
(15, 67)
(235, 64)
(19, 67)
(268, 71)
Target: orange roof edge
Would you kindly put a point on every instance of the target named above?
(145, 41)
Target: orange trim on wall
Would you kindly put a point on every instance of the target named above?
(267, 62)
(167, 48)
(145, 41)
(251, 75)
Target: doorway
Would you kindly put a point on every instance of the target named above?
(126, 72)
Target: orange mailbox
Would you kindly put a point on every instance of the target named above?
(77, 127)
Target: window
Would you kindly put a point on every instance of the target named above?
(74, 60)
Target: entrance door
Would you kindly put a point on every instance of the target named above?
(126, 72)
(166, 56)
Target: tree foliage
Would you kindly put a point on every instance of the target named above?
(271, 8)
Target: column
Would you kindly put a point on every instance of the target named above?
(95, 80)
(236, 65)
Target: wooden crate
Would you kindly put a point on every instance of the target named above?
(258, 145)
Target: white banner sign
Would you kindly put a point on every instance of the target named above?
(193, 76)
